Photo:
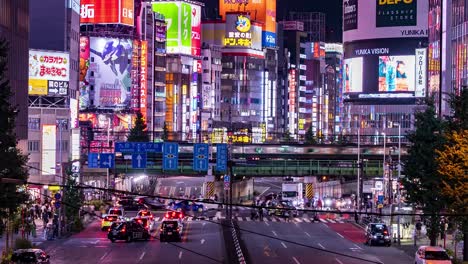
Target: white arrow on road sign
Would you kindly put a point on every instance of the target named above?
(53, 90)
(139, 160)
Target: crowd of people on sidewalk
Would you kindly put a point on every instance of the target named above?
(25, 221)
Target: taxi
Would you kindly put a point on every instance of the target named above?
(108, 220)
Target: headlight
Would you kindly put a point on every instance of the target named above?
(327, 202)
(295, 203)
(386, 237)
(374, 236)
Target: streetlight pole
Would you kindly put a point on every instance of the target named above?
(398, 184)
(358, 195)
(384, 159)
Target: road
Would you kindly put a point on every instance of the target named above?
(343, 238)
(179, 186)
(92, 246)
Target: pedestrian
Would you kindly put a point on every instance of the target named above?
(291, 215)
(260, 213)
(45, 218)
(38, 211)
(356, 218)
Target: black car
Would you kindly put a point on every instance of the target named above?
(377, 233)
(131, 205)
(128, 231)
(171, 229)
(32, 255)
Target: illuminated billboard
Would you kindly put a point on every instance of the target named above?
(238, 31)
(107, 12)
(352, 79)
(178, 16)
(143, 78)
(384, 69)
(379, 19)
(48, 159)
(109, 69)
(83, 77)
(396, 73)
(196, 30)
(263, 11)
(49, 73)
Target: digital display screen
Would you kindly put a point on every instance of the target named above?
(352, 79)
(396, 73)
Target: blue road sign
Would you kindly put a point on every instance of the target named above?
(200, 157)
(170, 156)
(93, 162)
(106, 160)
(226, 178)
(57, 204)
(380, 199)
(139, 161)
(57, 196)
(221, 157)
(138, 147)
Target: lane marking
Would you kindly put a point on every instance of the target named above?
(266, 223)
(274, 233)
(239, 218)
(156, 219)
(340, 235)
(142, 255)
(339, 261)
(325, 225)
(180, 255)
(202, 241)
(320, 245)
(357, 246)
(308, 234)
(298, 220)
(295, 260)
(306, 220)
(331, 221)
(322, 220)
(104, 256)
(204, 223)
(284, 245)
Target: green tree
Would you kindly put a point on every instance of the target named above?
(12, 161)
(165, 134)
(310, 137)
(459, 106)
(72, 196)
(422, 181)
(138, 133)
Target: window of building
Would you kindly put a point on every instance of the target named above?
(33, 146)
(34, 123)
(63, 144)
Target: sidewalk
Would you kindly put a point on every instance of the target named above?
(407, 245)
(35, 240)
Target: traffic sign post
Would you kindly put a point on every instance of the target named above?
(221, 157)
(139, 161)
(200, 157)
(93, 160)
(106, 160)
(170, 156)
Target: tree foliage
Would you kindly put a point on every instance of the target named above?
(310, 137)
(165, 134)
(422, 181)
(72, 201)
(139, 133)
(12, 162)
(459, 106)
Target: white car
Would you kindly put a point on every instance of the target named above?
(431, 255)
(208, 204)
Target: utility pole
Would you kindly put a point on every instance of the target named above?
(358, 194)
(398, 182)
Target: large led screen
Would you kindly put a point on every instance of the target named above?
(110, 67)
(396, 73)
(352, 79)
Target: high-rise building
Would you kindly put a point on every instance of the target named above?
(333, 79)
(384, 69)
(14, 27)
(53, 133)
(314, 24)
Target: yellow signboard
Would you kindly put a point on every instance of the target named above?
(37, 87)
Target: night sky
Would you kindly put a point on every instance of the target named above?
(332, 9)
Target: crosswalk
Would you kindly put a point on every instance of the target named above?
(265, 219)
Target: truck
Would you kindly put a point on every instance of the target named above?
(293, 191)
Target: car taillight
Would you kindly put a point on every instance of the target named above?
(167, 215)
(177, 229)
(161, 229)
(123, 230)
(181, 216)
(385, 232)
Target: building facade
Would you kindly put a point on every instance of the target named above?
(314, 24)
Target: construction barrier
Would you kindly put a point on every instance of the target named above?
(210, 190)
(309, 190)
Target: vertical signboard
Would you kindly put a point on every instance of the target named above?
(84, 78)
(221, 157)
(350, 14)
(49, 139)
(49, 73)
(196, 30)
(143, 78)
(178, 16)
(107, 12)
(421, 73)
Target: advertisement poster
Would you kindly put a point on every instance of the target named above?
(48, 73)
(111, 67)
(352, 75)
(196, 30)
(107, 12)
(396, 73)
(350, 14)
(83, 78)
(238, 31)
(179, 25)
(263, 11)
(390, 13)
(421, 72)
